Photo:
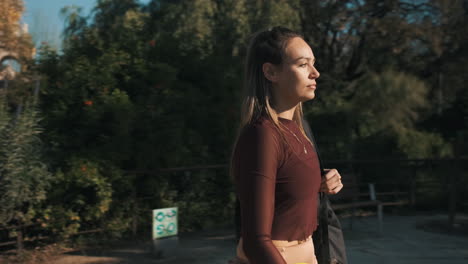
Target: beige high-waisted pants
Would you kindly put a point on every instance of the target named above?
(291, 251)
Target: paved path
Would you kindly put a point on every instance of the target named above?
(401, 242)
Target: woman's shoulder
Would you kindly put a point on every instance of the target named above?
(261, 129)
(261, 124)
(260, 136)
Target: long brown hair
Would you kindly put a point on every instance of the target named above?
(264, 46)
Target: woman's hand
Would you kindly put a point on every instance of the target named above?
(331, 183)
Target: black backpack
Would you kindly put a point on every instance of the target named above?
(328, 238)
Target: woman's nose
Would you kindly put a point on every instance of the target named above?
(314, 74)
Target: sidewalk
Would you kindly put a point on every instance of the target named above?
(401, 242)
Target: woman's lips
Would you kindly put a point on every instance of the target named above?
(312, 86)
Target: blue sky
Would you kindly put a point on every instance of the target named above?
(44, 20)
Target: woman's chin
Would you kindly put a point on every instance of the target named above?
(309, 96)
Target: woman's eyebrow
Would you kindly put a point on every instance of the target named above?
(307, 58)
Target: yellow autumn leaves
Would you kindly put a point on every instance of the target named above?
(14, 39)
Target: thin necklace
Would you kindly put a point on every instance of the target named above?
(305, 150)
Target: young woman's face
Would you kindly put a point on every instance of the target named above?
(296, 78)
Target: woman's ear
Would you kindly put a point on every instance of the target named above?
(270, 71)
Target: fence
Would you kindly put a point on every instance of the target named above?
(432, 183)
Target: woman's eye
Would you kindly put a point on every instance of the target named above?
(303, 65)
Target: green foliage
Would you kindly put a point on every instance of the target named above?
(193, 194)
(24, 178)
(387, 101)
(283, 13)
(4, 114)
(193, 23)
(80, 195)
(379, 114)
(416, 145)
(390, 104)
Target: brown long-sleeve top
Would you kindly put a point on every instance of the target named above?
(277, 185)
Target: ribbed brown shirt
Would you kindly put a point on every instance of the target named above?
(277, 185)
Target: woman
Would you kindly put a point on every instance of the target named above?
(274, 165)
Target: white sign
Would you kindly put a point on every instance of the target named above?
(164, 222)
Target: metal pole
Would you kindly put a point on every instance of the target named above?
(452, 200)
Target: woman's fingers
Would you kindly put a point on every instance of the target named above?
(330, 173)
(331, 183)
(332, 178)
(336, 190)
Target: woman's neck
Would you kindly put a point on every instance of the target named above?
(287, 115)
(285, 111)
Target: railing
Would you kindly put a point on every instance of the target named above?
(432, 183)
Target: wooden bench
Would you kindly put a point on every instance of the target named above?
(350, 197)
